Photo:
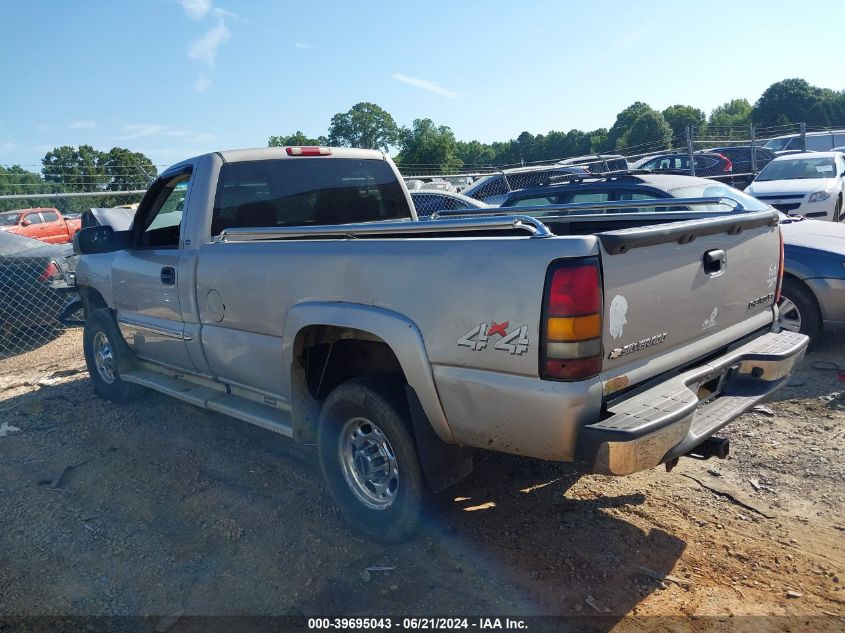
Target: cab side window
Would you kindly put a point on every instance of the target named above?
(33, 218)
(50, 216)
(160, 225)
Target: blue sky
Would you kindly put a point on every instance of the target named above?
(174, 78)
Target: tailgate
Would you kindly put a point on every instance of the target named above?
(668, 285)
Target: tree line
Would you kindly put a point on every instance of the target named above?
(80, 169)
(639, 128)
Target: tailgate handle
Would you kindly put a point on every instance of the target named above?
(715, 261)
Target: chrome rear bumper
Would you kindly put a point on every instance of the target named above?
(670, 419)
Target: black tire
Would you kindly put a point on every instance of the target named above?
(100, 323)
(806, 306)
(380, 402)
(837, 210)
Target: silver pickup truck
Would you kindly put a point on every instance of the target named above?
(295, 289)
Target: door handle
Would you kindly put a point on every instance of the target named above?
(714, 261)
(168, 275)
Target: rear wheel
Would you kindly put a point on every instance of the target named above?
(106, 355)
(369, 458)
(798, 309)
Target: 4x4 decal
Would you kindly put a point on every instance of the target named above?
(514, 342)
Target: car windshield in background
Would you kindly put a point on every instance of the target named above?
(705, 190)
(777, 144)
(798, 169)
(9, 219)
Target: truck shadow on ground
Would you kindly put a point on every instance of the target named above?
(510, 541)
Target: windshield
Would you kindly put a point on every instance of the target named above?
(9, 219)
(798, 169)
(705, 190)
(777, 144)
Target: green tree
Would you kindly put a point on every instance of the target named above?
(474, 153)
(75, 168)
(428, 146)
(15, 180)
(599, 141)
(733, 114)
(364, 125)
(297, 138)
(127, 170)
(624, 121)
(679, 117)
(788, 100)
(649, 132)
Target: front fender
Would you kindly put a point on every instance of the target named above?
(398, 332)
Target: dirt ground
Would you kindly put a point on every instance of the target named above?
(158, 508)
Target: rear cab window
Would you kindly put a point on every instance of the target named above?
(306, 192)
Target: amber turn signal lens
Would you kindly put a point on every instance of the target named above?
(574, 328)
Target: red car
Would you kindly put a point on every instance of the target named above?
(45, 224)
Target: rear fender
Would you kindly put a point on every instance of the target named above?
(399, 333)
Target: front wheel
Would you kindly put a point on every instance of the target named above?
(369, 458)
(106, 355)
(798, 310)
(837, 210)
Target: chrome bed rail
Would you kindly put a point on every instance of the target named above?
(365, 229)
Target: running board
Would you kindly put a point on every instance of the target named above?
(270, 418)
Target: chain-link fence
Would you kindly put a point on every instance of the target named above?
(38, 298)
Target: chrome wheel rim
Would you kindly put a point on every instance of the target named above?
(789, 315)
(103, 358)
(368, 463)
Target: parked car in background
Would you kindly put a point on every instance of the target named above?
(429, 202)
(44, 224)
(815, 142)
(740, 157)
(811, 184)
(494, 188)
(813, 291)
(33, 278)
(598, 163)
(634, 186)
(706, 163)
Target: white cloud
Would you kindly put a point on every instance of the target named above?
(205, 48)
(196, 9)
(83, 125)
(425, 84)
(200, 137)
(141, 130)
(202, 84)
(5, 146)
(304, 45)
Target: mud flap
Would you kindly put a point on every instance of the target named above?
(443, 464)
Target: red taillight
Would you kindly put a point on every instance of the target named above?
(571, 344)
(50, 272)
(780, 269)
(729, 166)
(574, 291)
(310, 150)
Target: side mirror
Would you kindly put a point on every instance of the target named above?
(25, 222)
(99, 239)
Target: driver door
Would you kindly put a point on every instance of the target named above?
(144, 277)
